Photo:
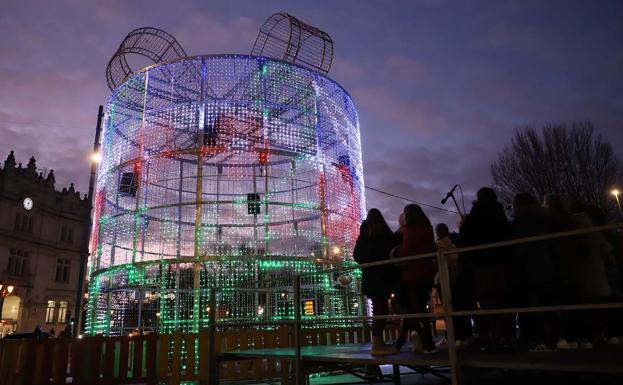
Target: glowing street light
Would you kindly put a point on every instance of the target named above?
(96, 157)
(616, 193)
(7, 290)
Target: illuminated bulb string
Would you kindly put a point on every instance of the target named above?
(232, 169)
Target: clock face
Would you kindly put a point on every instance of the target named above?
(27, 203)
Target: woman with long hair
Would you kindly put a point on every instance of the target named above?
(417, 277)
(374, 243)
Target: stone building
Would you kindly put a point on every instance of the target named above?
(41, 232)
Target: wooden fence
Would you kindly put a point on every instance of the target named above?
(154, 359)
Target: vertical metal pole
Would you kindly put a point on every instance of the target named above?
(109, 306)
(323, 213)
(180, 197)
(212, 361)
(139, 327)
(298, 372)
(255, 214)
(444, 277)
(218, 198)
(84, 248)
(176, 300)
(322, 176)
(266, 237)
(264, 167)
(201, 131)
(142, 162)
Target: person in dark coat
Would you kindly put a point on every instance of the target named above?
(487, 223)
(533, 274)
(566, 266)
(613, 318)
(374, 244)
(417, 277)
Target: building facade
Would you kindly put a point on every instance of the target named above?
(41, 232)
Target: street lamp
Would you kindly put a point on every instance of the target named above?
(5, 291)
(84, 246)
(616, 193)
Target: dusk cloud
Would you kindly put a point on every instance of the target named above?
(440, 86)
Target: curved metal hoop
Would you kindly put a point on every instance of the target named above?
(152, 43)
(284, 37)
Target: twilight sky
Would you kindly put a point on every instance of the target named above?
(440, 86)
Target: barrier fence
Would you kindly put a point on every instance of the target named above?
(178, 357)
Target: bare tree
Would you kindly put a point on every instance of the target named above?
(573, 162)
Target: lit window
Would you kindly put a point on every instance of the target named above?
(62, 311)
(49, 313)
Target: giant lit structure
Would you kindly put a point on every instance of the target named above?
(219, 170)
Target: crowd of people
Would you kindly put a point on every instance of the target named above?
(570, 270)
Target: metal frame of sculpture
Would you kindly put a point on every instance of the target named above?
(286, 38)
(223, 170)
(153, 43)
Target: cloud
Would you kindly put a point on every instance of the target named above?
(439, 87)
(202, 33)
(404, 69)
(346, 70)
(425, 174)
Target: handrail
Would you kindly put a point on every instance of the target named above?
(410, 258)
(509, 310)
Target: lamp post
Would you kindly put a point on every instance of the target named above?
(616, 193)
(84, 249)
(5, 291)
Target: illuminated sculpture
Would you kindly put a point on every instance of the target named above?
(218, 170)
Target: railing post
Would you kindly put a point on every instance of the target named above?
(298, 372)
(139, 326)
(212, 359)
(446, 295)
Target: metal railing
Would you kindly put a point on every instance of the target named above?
(447, 314)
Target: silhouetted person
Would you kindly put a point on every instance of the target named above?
(444, 242)
(607, 250)
(595, 287)
(533, 275)
(69, 329)
(566, 266)
(487, 223)
(613, 318)
(374, 243)
(463, 297)
(417, 277)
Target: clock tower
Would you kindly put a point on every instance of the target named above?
(40, 240)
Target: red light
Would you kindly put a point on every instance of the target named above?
(263, 157)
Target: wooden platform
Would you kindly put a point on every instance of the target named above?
(609, 361)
